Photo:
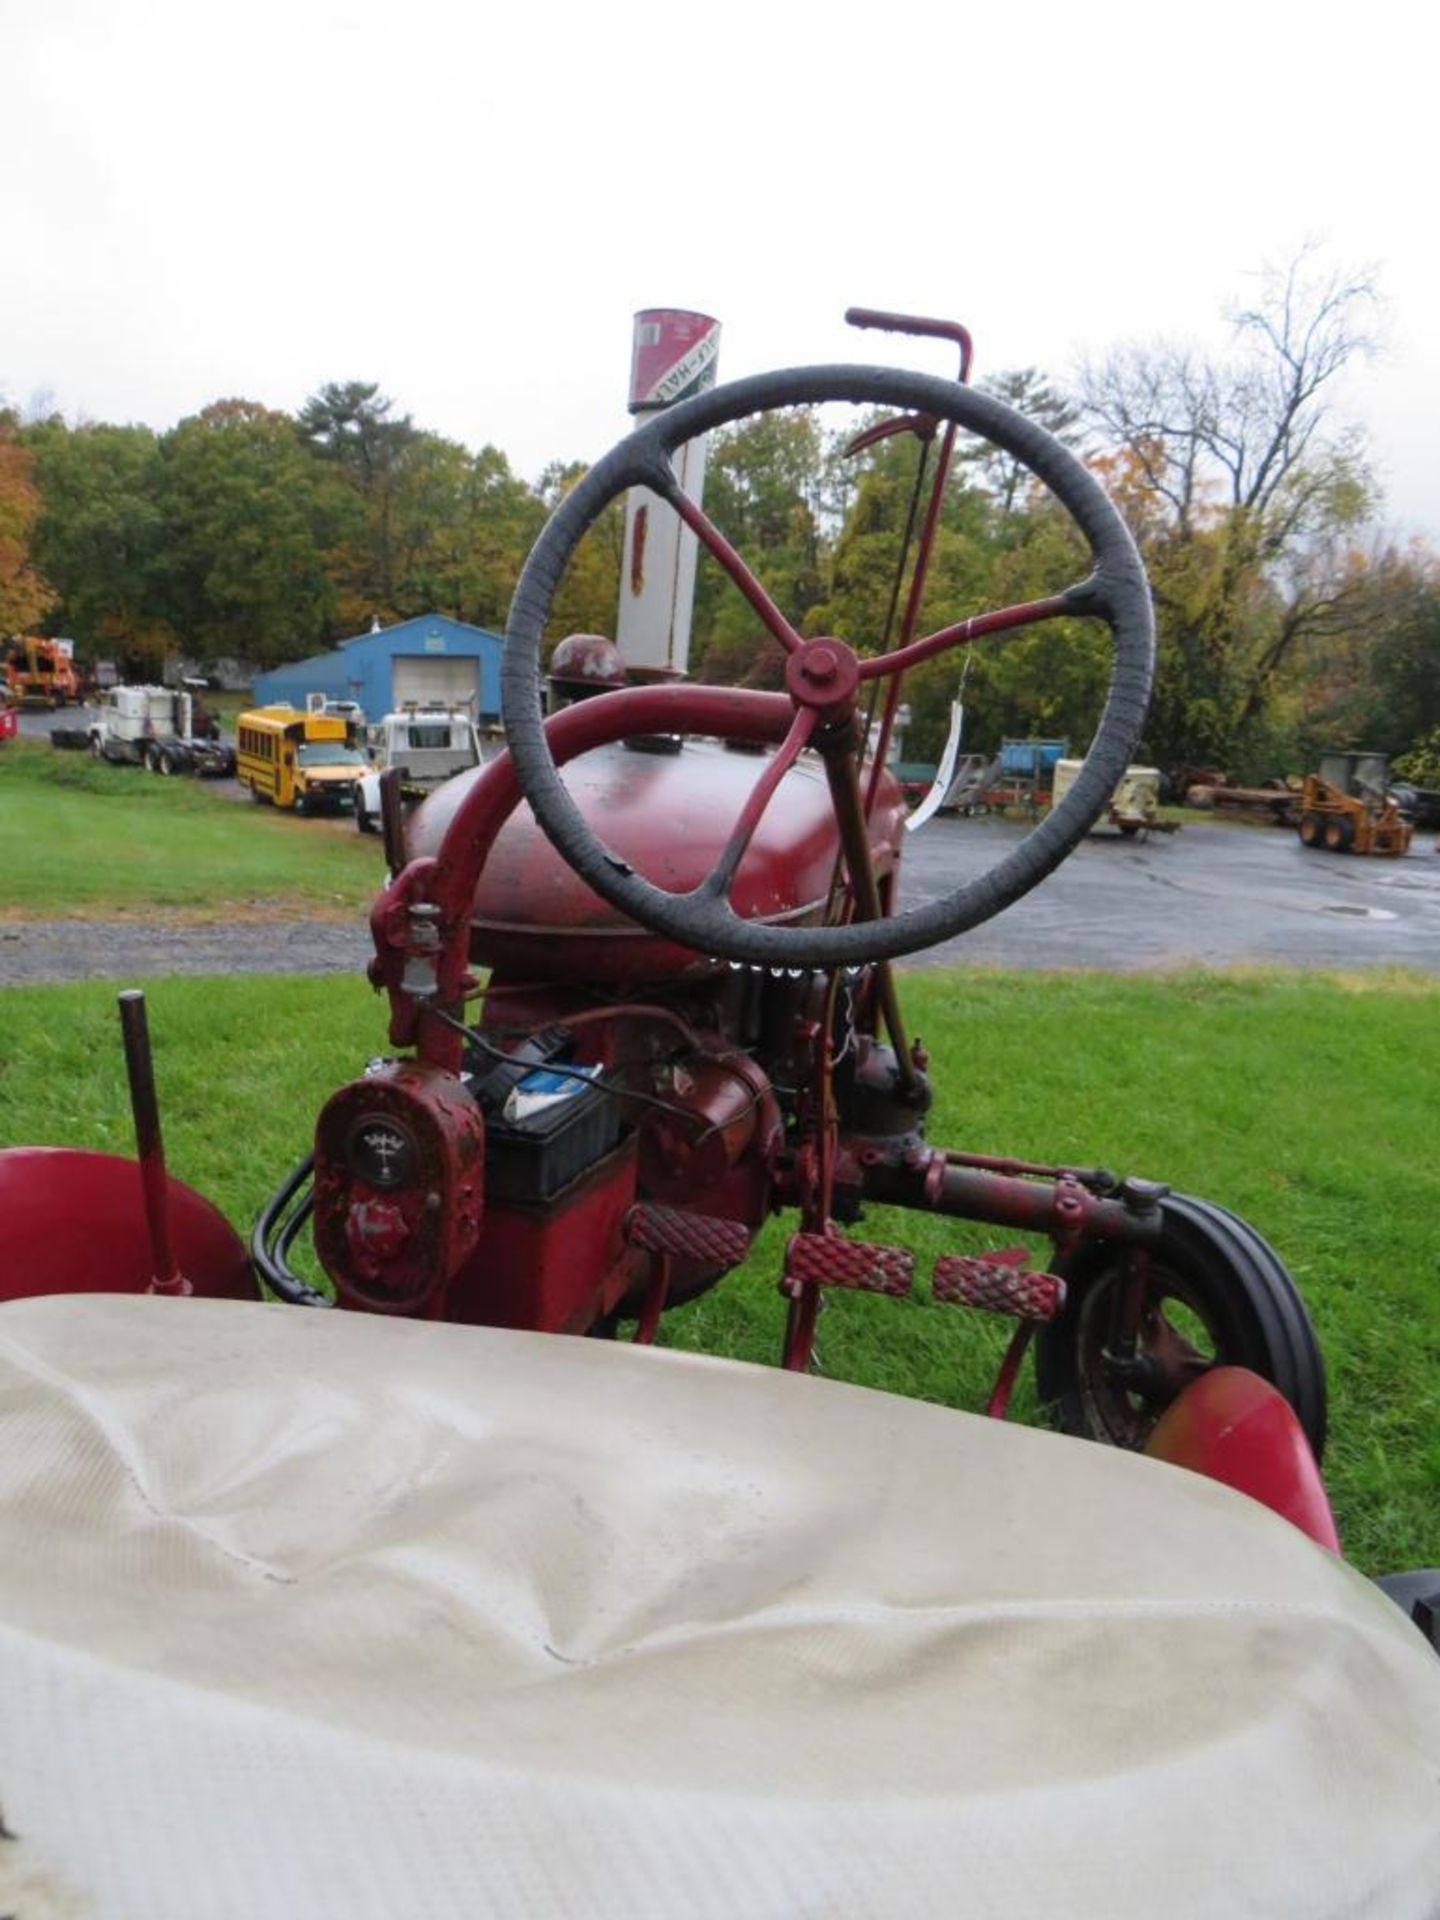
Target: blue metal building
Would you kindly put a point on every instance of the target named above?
(429, 658)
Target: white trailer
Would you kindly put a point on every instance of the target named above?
(154, 727)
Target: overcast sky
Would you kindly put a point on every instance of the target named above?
(467, 203)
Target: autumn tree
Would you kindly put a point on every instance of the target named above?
(763, 481)
(1378, 685)
(1248, 498)
(25, 595)
(460, 527)
(504, 517)
(254, 523)
(1030, 393)
(102, 535)
(1405, 664)
(588, 595)
(350, 425)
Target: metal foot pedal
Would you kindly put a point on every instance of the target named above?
(997, 1287)
(690, 1236)
(827, 1260)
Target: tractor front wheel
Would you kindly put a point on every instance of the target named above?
(1340, 834)
(1136, 1329)
(1312, 830)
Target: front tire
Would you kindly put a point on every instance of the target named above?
(1217, 1295)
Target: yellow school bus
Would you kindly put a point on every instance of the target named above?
(298, 760)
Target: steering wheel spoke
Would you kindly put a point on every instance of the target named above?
(980, 626)
(719, 880)
(725, 557)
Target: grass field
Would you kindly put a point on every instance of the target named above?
(1306, 1103)
(78, 836)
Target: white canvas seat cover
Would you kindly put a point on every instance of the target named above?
(310, 1614)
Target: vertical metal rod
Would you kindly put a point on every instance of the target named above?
(849, 808)
(999, 1403)
(800, 1329)
(654, 1305)
(167, 1277)
(918, 579)
(392, 819)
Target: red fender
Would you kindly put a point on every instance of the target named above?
(74, 1222)
(1236, 1428)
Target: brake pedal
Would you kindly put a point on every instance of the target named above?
(996, 1286)
(691, 1236)
(829, 1260)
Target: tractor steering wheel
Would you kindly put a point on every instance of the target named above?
(824, 677)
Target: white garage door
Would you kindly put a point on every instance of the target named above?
(427, 679)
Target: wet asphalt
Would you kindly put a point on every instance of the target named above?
(1215, 894)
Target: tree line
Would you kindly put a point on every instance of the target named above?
(1285, 622)
(250, 532)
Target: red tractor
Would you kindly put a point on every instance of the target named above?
(636, 1008)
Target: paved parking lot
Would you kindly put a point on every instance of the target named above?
(1213, 894)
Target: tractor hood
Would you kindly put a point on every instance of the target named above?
(669, 815)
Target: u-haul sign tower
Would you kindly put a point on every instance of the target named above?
(674, 356)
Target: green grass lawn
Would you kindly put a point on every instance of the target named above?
(79, 837)
(1305, 1102)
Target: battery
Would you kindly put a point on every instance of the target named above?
(546, 1120)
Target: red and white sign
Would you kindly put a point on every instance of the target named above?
(9, 723)
(674, 355)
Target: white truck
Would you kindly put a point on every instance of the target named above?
(428, 745)
(159, 728)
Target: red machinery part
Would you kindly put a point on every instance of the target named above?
(586, 663)
(399, 1187)
(831, 1260)
(74, 1222)
(556, 1266)
(1234, 1427)
(528, 914)
(694, 1236)
(998, 1286)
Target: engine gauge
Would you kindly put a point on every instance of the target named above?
(382, 1152)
